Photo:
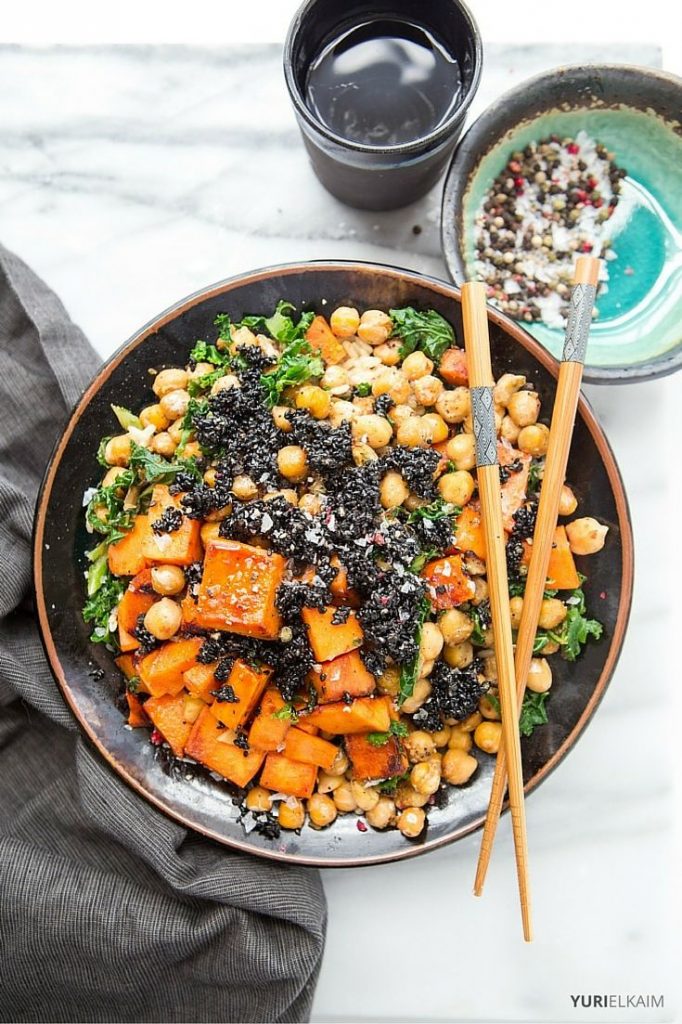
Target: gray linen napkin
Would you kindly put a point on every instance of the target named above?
(109, 911)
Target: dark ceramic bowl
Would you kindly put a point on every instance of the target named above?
(637, 113)
(60, 541)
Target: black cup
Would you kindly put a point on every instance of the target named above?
(376, 177)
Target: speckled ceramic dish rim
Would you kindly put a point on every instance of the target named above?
(449, 292)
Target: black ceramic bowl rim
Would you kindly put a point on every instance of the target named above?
(431, 139)
(467, 158)
(517, 334)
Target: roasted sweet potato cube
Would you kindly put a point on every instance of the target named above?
(162, 671)
(200, 680)
(136, 601)
(190, 611)
(468, 531)
(371, 762)
(448, 584)
(515, 486)
(453, 367)
(320, 337)
(301, 746)
(345, 674)
(247, 684)
(209, 744)
(126, 556)
(238, 589)
(136, 713)
(366, 714)
(282, 775)
(180, 547)
(561, 571)
(167, 714)
(327, 640)
(268, 731)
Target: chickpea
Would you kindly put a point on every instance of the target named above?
(317, 402)
(550, 648)
(200, 370)
(458, 655)
(117, 450)
(433, 428)
(509, 430)
(322, 810)
(454, 406)
(441, 737)
(362, 406)
(409, 433)
(375, 430)
(389, 681)
(168, 580)
(383, 814)
(341, 412)
(524, 407)
(389, 353)
(585, 536)
(461, 450)
(399, 413)
(192, 450)
(225, 383)
(488, 709)
(420, 746)
(568, 502)
(393, 490)
(280, 418)
(488, 736)
(340, 765)
(344, 321)
(431, 642)
(291, 813)
(392, 382)
(474, 565)
(310, 503)
(507, 385)
(292, 462)
(458, 766)
(421, 692)
(244, 488)
(154, 416)
(470, 723)
(539, 675)
(375, 327)
(515, 609)
(287, 493)
(174, 404)
(210, 476)
(481, 592)
(428, 389)
(175, 432)
(366, 797)
(456, 626)
(552, 613)
(456, 487)
(343, 798)
(112, 475)
(425, 776)
(169, 380)
(416, 365)
(258, 799)
(242, 336)
(411, 822)
(426, 667)
(209, 532)
(407, 796)
(328, 783)
(459, 740)
(534, 439)
(335, 379)
(163, 619)
(490, 668)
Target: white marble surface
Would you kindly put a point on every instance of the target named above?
(131, 177)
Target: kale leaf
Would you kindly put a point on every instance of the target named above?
(105, 591)
(427, 331)
(533, 712)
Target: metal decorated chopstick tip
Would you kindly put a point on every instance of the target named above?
(581, 305)
(485, 434)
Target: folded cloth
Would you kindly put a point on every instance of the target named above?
(109, 911)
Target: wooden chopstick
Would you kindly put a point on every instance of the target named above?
(585, 280)
(477, 345)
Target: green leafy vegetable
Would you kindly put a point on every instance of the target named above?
(125, 417)
(536, 471)
(203, 383)
(389, 786)
(574, 632)
(478, 635)
(101, 449)
(438, 509)
(297, 364)
(533, 712)
(105, 513)
(494, 701)
(364, 389)
(380, 739)
(287, 712)
(280, 325)
(421, 560)
(427, 331)
(154, 469)
(133, 684)
(224, 325)
(410, 671)
(205, 353)
(101, 602)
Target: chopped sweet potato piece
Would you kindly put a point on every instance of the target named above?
(448, 584)
(365, 714)
(327, 640)
(320, 337)
(375, 762)
(200, 680)
(137, 716)
(561, 571)
(468, 531)
(282, 775)
(301, 746)
(514, 487)
(190, 613)
(345, 674)
(247, 684)
(206, 744)
(136, 601)
(267, 731)
(126, 556)
(305, 726)
(238, 589)
(162, 671)
(126, 664)
(168, 715)
(180, 547)
(453, 367)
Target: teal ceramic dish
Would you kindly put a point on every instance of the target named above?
(637, 114)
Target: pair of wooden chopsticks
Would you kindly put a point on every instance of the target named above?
(512, 669)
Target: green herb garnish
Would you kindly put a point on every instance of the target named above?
(117, 519)
(410, 672)
(205, 353)
(125, 417)
(380, 739)
(297, 364)
(389, 786)
(574, 631)
(154, 469)
(287, 713)
(536, 472)
(427, 331)
(438, 509)
(478, 634)
(280, 325)
(104, 593)
(533, 712)
(364, 389)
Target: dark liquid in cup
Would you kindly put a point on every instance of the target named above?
(383, 83)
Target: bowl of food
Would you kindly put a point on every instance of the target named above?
(577, 160)
(260, 572)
